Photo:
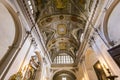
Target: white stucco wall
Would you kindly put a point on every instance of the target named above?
(90, 59)
(104, 57)
(19, 59)
(80, 73)
(7, 30)
(114, 24)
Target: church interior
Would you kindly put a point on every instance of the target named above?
(59, 39)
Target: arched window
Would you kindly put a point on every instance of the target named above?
(63, 59)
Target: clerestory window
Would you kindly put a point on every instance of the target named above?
(30, 6)
(63, 59)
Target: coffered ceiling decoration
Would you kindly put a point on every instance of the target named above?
(61, 25)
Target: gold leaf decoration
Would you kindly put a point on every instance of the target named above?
(17, 76)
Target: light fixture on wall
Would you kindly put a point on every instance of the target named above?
(110, 77)
(98, 66)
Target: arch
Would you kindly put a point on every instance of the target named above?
(69, 75)
(6, 61)
(105, 23)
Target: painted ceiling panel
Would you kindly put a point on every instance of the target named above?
(61, 24)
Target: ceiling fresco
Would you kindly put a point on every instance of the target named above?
(61, 25)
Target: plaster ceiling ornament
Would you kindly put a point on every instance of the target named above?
(61, 25)
(61, 29)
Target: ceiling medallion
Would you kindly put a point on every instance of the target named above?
(61, 29)
(62, 45)
(61, 17)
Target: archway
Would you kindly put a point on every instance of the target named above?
(11, 37)
(64, 75)
(111, 23)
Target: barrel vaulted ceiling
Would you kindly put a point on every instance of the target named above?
(61, 23)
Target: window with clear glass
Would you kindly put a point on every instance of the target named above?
(63, 59)
(30, 6)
